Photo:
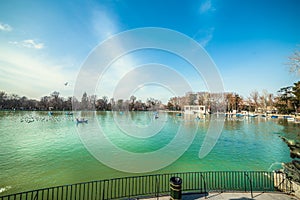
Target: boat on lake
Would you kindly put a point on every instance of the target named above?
(179, 114)
(81, 121)
(290, 119)
(253, 115)
(274, 116)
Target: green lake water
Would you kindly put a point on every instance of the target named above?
(38, 150)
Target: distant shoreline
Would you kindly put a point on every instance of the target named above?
(165, 111)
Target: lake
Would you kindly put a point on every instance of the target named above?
(39, 150)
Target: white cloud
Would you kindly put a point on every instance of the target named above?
(29, 44)
(206, 40)
(206, 6)
(13, 42)
(5, 27)
(32, 44)
(204, 36)
(31, 76)
(104, 24)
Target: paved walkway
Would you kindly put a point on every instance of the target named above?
(234, 196)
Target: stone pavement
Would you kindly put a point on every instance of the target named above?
(233, 196)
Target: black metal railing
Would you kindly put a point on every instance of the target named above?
(158, 184)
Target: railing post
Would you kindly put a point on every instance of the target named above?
(36, 195)
(205, 193)
(103, 188)
(245, 182)
(157, 187)
(246, 176)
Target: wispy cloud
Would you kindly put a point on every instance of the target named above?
(30, 43)
(204, 36)
(29, 75)
(104, 23)
(5, 27)
(206, 6)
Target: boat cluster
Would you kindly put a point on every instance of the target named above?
(30, 119)
(37, 118)
(242, 116)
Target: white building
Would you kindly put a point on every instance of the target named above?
(189, 109)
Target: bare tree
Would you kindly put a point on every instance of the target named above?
(270, 101)
(201, 98)
(92, 102)
(294, 62)
(263, 100)
(56, 101)
(296, 98)
(153, 104)
(3, 98)
(132, 101)
(255, 97)
(84, 101)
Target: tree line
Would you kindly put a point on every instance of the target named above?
(286, 101)
(88, 102)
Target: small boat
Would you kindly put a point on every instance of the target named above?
(239, 115)
(81, 121)
(69, 113)
(179, 114)
(197, 118)
(290, 119)
(274, 116)
(253, 115)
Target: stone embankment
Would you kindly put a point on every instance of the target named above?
(292, 169)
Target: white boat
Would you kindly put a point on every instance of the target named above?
(290, 119)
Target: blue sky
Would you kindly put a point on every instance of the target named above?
(43, 44)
